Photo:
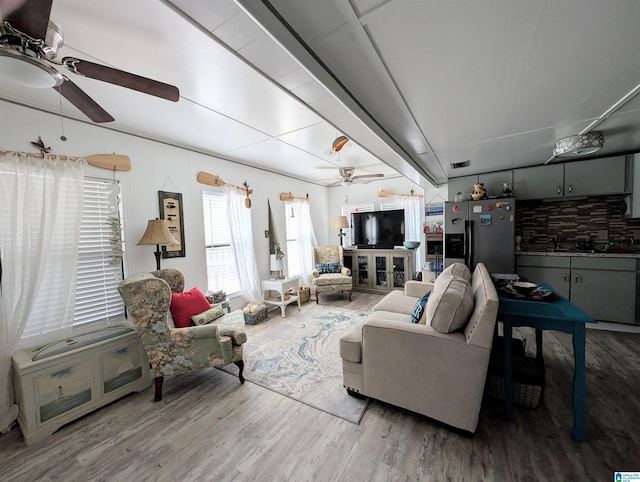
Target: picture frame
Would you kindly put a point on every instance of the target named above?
(171, 212)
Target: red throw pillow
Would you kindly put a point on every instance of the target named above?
(185, 305)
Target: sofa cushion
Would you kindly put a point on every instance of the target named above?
(418, 310)
(450, 304)
(185, 305)
(332, 279)
(396, 302)
(457, 270)
(209, 315)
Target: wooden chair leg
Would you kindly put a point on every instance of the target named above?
(158, 394)
(317, 296)
(240, 364)
(350, 294)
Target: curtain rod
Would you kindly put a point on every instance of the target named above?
(112, 162)
(390, 194)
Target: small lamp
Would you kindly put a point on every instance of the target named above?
(276, 265)
(157, 233)
(341, 222)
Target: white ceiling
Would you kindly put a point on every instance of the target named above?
(416, 85)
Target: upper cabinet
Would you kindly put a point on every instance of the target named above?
(594, 177)
(539, 182)
(492, 181)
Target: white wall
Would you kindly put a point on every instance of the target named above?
(160, 167)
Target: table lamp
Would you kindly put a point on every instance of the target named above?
(277, 265)
(157, 233)
(341, 222)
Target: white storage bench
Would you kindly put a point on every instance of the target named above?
(57, 383)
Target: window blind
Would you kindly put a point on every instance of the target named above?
(100, 251)
(222, 273)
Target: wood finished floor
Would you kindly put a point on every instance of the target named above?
(209, 427)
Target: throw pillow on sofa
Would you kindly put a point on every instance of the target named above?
(417, 315)
(450, 304)
(186, 304)
(457, 270)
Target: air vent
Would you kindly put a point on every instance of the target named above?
(458, 165)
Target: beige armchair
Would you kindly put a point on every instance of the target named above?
(172, 350)
(329, 275)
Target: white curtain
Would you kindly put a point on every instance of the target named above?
(241, 231)
(413, 227)
(306, 238)
(40, 214)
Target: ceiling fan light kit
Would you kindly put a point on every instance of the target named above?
(579, 145)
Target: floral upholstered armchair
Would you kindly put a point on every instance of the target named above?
(329, 275)
(172, 350)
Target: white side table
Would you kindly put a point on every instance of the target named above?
(269, 286)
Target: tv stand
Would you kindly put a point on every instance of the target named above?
(377, 270)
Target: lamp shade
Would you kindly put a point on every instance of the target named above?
(579, 145)
(275, 263)
(340, 222)
(157, 233)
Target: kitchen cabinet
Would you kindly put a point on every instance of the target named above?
(462, 185)
(605, 288)
(493, 181)
(380, 270)
(492, 184)
(552, 270)
(539, 182)
(595, 177)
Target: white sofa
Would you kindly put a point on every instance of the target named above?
(418, 366)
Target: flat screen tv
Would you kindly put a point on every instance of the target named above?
(378, 229)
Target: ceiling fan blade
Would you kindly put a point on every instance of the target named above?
(83, 102)
(364, 176)
(122, 78)
(32, 18)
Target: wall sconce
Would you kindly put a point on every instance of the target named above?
(157, 233)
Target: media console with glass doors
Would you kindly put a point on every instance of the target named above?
(380, 270)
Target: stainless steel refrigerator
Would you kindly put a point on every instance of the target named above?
(481, 232)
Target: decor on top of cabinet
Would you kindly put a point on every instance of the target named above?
(506, 191)
(478, 192)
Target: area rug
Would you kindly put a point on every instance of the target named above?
(299, 357)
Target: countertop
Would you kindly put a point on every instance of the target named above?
(579, 253)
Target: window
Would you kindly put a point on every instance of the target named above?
(293, 247)
(99, 265)
(99, 254)
(347, 210)
(221, 266)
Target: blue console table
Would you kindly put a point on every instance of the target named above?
(560, 315)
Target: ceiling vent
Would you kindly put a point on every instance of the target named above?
(458, 165)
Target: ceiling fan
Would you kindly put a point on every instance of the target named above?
(29, 43)
(347, 177)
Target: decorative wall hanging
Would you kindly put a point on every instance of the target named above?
(171, 212)
(287, 196)
(390, 194)
(216, 181)
(112, 162)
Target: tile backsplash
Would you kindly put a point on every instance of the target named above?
(599, 218)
